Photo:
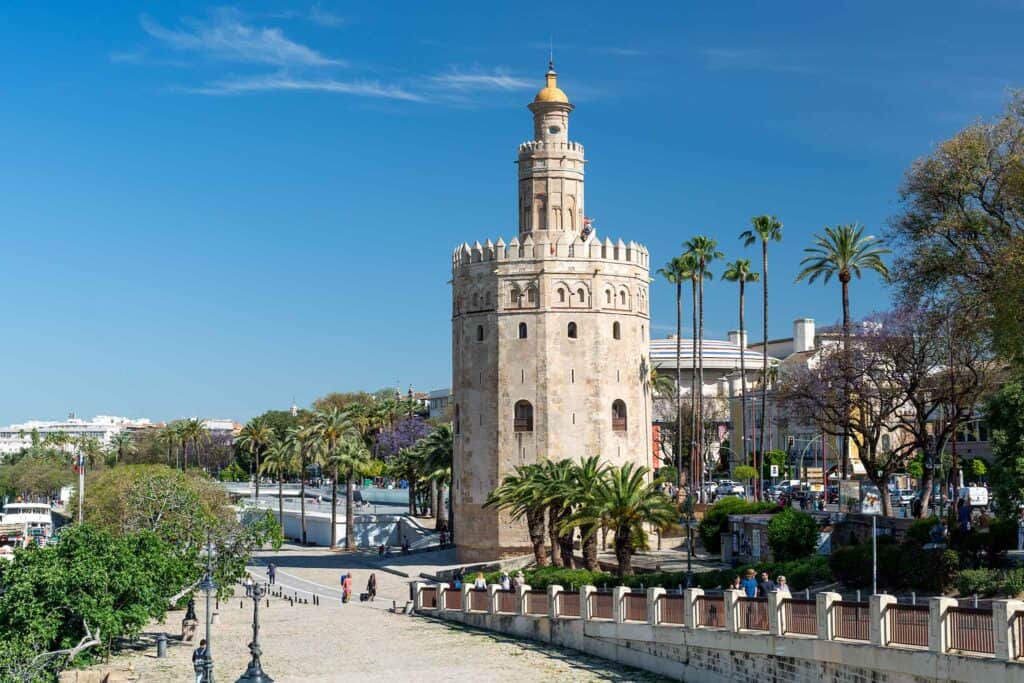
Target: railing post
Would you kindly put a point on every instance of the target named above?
(585, 593)
(654, 605)
(824, 610)
(878, 613)
(776, 619)
(731, 605)
(492, 598)
(466, 596)
(618, 603)
(442, 591)
(553, 592)
(938, 639)
(521, 600)
(417, 595)
(690, 596)
(1004, 621)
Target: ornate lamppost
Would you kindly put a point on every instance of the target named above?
(254, 673)
(208, 586)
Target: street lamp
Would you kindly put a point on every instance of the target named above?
(254, 673)
(208, 586)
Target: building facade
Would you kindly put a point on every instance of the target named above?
(550, 336)
(16, 437)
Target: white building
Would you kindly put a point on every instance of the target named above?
(102, 427)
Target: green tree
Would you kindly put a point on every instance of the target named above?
(792, 535)
(703, 250)
(739, 271)
(350, 455)
(520, 495)
(585, 476)
(962, 227)
(843, 252)
(676, 271)
(438, 454)
(277, 462)
(766, 229)
(1004, 413)
(627, 504)
(122, 446)
(195, 432)
(255, 437)
(334, 426)
(556, 483)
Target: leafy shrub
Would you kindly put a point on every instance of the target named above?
(716, 520)
(792, 534)
(990, 582)
(744, 472)
(900, 566)
(920, 531)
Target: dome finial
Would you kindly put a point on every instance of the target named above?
(551, 92)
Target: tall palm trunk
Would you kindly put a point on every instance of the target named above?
(334, 500)
(844, 279)
(623, 543)
(679, 386)
(350, 519)
(700, 381)
(589, 546)
(743, 377)
(693, 388)
(280, 499)
(535, 527)
(257, 476)
(759, 453)
(302, 496)
(441, 513)
(412, 495)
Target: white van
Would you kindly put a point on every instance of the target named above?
(974, 496)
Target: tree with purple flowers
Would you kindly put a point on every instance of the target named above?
(407, 433)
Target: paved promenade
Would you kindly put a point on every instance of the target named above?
(364, 641)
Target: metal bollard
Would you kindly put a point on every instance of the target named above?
(913, 597)
(161, 645)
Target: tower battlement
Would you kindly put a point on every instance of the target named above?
(564, 246)
(549, 146)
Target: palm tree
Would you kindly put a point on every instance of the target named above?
(843, 251)
(739, 271)
(519, 494)
(122, 445)
(585, 476)
(704, 250)
(168, 437)
(676, 272)
(277, 461)
(625, 502)
(334, 426)
(767, 229)
(438, 448)
(255, 437)
(308, 449)
(195, 431)
(352, 454)
(555, 482)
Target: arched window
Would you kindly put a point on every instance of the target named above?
(531, 295)
(618, 416)
(581, 294)
(608, 296)
(541, 204)
(572, 330)
(522, 330)
(517, 296)
(616, 330)
(476, 299)
(487, 299)
(622, 298)
(480, 332)
(456, 426)
(523, 417)
(561, 295)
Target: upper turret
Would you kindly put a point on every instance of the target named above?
(550, 166)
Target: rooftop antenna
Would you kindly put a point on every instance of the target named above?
(551, 51)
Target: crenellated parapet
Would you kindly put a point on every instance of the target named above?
(549, 147)
(564, 246)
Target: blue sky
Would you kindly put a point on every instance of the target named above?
(209, 210)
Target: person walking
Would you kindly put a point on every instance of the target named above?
(371, 587)
(272, 573)
(346, 587)
(199, 661)
(248, 586)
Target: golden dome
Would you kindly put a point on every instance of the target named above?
(551, 92)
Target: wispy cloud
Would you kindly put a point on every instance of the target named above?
(225, 36)
(316, 14)
(481, 81)
(750, 60)
(285, 82)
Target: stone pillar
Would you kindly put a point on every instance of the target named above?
(824, 609)
(937, 608)
(553, 592)
(731, 604)
(776, 619)
(618, 598)
(654, 605)
(1004, 621)
(466, 588)
(417, 597)
(521, 593)
(585, 592)
(492, 598)
(442, 589)
(878, 606)
(690, 596)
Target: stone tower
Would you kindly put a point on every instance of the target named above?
(550, 337)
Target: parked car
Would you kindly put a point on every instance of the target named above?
(730, 488)
(974, 496)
